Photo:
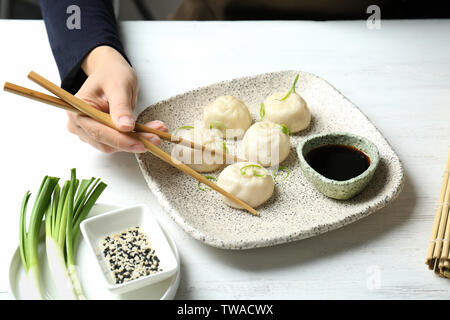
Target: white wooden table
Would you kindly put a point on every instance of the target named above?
(399, 76)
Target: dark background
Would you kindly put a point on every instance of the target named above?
(249, 9)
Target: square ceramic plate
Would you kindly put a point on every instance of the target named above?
(296, 210)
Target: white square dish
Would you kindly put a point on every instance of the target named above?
(95, 229)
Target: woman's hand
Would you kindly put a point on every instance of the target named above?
(112, 87)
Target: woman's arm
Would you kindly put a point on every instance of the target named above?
(98, 27)
(92, 64)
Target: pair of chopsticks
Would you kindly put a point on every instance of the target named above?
(54, 101)
(73, 104)
(438, 255)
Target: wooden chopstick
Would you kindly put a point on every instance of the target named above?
(38, 96)
(104, 118)
(57, 102)
(438, 248)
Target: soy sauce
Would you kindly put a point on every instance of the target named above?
(338, 162)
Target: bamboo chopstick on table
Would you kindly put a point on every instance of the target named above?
(57, 102)
(104, 118)
(438, 249)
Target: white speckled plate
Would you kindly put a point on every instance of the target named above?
(296, 210)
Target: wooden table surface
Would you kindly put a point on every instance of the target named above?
(399, 76)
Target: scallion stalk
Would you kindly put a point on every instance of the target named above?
(182, 128)
(285, 129)
(255, 173)
(218, 125)
(291, 90)
(262, 111)
(64, 209)
(70, 207)
(29, 239)
(73, 227)
(225, 149)
(199, 184)
(277, 174)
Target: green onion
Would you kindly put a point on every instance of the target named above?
(63, 215)
(218, 125)
(69, 208)
(29, 239)
(291, 90)
(262, 111)
(87, 202)
(278, 173)
(225, 149)
(285, 129)
(64, 209)
(182, 128)
(255, 173)
(199, 184)
(55, 237)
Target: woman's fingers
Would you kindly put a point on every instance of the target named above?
(121, 95)
(111, 86)
(153, 138)
(121, 109)
(108, 136)
(157, 125)
(83, 136)
(107, 139)
(97, 145)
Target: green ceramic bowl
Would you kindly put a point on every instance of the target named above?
(341, 190)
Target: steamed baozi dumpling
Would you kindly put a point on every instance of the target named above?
(266, 143)
(292, 111)
(201, 161)
(248, 181)
(228, 114)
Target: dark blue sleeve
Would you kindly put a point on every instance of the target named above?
(70, 46)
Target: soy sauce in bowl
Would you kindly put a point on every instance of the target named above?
(338, 162)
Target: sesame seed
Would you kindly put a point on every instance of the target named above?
(130, 255)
